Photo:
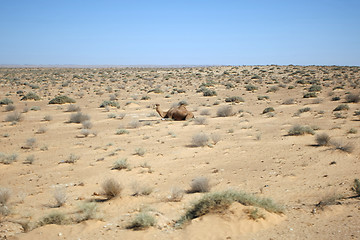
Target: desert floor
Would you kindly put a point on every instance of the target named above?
(46, 161)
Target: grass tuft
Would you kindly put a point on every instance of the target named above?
(220, 201)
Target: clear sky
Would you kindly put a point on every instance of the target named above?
(171, 32)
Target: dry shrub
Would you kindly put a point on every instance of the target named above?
(142, 220)
(13, 117)
(289, 101)
(87, 124)
(41, 130)
(121, 164)
(87, 210)
(176, 194)
(352, 98)
(345, 147)
(85, 132)
(111, 188)
(4, 195)
(300, 130)
(10, 108)
(216, 137)
(78, 117)
(356, 187)
(60, 196)
(200, 121)
(73, 108)
(141, 190)
(224, 111)
(329, 199)
(30, 143)
(135, 124)
(205, 112)
(322, 139)
(54, 218)
(199, 184)
(200, 139)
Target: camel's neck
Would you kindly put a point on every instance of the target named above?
(161, 113)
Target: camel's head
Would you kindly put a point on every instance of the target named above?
(156, 105)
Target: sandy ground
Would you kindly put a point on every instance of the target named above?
(255, 153)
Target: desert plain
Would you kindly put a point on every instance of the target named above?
(100, 163)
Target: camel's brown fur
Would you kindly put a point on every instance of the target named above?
(178, 113)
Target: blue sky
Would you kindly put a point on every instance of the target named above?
(109, 32)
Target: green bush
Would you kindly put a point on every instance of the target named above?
(251, 87)
(310, 95)
(30, 96)
(209, 93)
(6, 101)
(262, 97)
(235, 99)
(342, 107)
(61, 100)
(268, 109)
(315, 88)
(109, 103)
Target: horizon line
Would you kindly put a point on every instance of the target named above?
(151, 65)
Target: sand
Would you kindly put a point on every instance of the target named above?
(252, 152)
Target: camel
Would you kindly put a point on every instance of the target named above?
(178, 113)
